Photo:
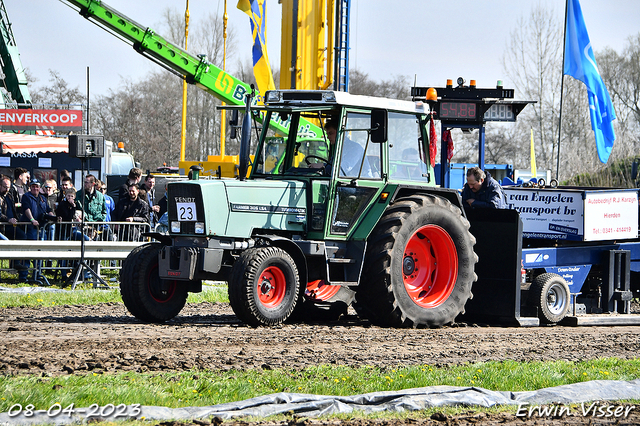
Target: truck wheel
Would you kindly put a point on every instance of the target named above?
(264, 286)
(419, 265)
(550, 294)
(146, 296)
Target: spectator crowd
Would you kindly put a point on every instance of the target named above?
(35, 210)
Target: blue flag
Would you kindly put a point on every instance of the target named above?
(580, 63)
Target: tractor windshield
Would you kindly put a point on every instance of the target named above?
(298, 153)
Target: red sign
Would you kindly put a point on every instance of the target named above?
(32, 119)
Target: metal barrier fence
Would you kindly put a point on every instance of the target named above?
(56, 246)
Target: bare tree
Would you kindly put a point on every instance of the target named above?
(533, 60)
(398, 87)
(148, 115)
(57, 92)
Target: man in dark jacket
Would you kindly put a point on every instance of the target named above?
(135, 174)
(482, 191)
(36, 210)
(131, 209)
(8, 221)
(20, 186)
(8, 214)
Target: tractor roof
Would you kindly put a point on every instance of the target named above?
(305, 99)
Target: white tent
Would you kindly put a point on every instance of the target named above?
(14, 143)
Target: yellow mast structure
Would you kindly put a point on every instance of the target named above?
(307, 44)
(223, 115)
(183, 132)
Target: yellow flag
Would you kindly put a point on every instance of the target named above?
(533, 158)
(257, 11)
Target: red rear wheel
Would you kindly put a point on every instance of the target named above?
(272, 287)
(419, 265)
(430, 266)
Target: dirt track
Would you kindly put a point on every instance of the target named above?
(77, 339)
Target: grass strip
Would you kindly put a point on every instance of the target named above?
(201, 388)
(85, 295)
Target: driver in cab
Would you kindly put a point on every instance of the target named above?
(352, 155)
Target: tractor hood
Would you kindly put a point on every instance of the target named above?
(233, 208)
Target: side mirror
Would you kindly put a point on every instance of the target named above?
(634, 169)
(379, 120)
(245, 136)
(245, 144)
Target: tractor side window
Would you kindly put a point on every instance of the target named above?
(273, 153)
(405, 162)
(353, 160)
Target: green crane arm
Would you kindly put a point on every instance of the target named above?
(194, 69)
(15, 79)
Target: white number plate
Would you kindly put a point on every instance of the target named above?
(187, 212)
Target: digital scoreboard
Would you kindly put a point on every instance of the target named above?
(469, 105)
(476, 111)
(500, 112)
(463, 111)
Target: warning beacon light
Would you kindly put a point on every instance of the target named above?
(432, 94)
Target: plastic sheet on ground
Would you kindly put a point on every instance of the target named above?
(30, 290)
(316, 405)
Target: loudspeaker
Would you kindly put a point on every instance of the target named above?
(86, 146)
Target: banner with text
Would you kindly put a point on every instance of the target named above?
(575, 214)
(610, 215)
(548, 214)
(32, 119)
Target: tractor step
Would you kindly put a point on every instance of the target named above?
(345, 283)
(340, 260)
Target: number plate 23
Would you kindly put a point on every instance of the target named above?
(186, 212)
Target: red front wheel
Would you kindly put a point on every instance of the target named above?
(264, 286)
(272, 287)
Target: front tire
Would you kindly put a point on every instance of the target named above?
(264, 286)
(550, 294)
(146, 296)
(419, 266)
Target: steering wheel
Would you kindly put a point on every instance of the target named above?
(306, 159)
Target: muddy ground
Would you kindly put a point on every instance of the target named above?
(105, 338)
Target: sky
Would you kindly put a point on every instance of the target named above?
(429, 41)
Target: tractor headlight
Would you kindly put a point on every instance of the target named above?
(199, 228)
(328, 97)
(175, 226)
(273, 96)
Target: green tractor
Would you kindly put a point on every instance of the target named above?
(316, 222)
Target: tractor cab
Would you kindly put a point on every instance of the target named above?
(343, 158)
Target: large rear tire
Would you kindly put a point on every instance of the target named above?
(419, 265)
(146, 296)
(264, 286)
(550, 294)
